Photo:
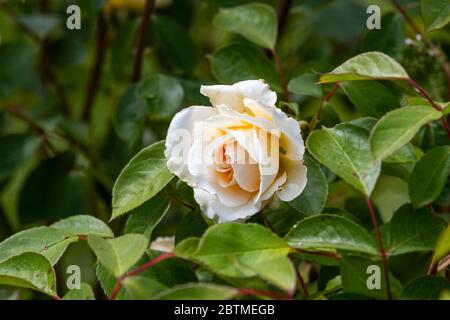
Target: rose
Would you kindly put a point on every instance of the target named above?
(238, 155)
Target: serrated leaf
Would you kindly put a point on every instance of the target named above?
(345, 150)
(244, 251)
(429, 176)
(331, 232)
(83, 225)
(312, 200)
(47, 241)
(119, 254)
(435, 13)
(255, 21)
(398, 127)
(198, 291)
(84, 293)
(142, 178)
(29, 270)
(425, 288)
(412, 231)
(367, 66)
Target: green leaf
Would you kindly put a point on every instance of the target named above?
(305, 84)
(192, 225)
(425, 288)
(198, 291)
(130, 115)
(29, 270)
(47, 241)
(41, 25)
(398, 127)
(244, 251)
(412, 231)
(328, 231)
(355, 278)
(146, 217)
(345, 150)
(255, 21)
(367, 66)
(84, 293)
(239, 62)
(142, 288)
(83, 225)
(141, 179)
(429, 176)
(164, 95)
(313, 198)
(435, 13)
(443, 244)
(371, 98)
(119, 254)
(108, 281)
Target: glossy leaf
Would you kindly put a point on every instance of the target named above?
(83, 225)
(142, 178)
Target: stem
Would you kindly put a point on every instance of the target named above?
(300, 278)
(280, 69)
(266, 221)
(283, 12)
(331, 255)
(432, 268)
(183, 203)
(137, 271)
(56, 297)
(380, 243)
(149, 4)
(316, 116)
(96, 71)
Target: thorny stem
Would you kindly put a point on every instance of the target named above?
(149, 4)
(380, 243)
(284, 84)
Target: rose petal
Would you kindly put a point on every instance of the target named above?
(296, 179)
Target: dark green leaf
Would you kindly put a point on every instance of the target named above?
(435, 13)
(425, 288)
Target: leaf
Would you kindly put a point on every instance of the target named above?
(108, 281)
(141, 179)
(435, 13)
(130, 115)
(146, 217)
(244, 251)
(47, 241)
(142, 288)
(328, 231)
(371, 98)
(239, 62)
(412, 231)
(425, 288)
(305, 84)
(29, 270)
(367, 66)
(429, 176)
(355, 275)
(84, 293)
(83, 225)
(192, 225)
(198, 291)
(164, 95)
(345, 150)
(119, 254)
(398, 127)
(443, 244)
(41, 25)
(255, 21)
(312, 200)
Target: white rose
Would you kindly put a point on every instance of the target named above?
(239, 154)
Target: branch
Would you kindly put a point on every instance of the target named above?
(284, 84)
(380, 244)
(149, 5)
(283, 13)
(300, 278)
(316, 116)
(100, 53)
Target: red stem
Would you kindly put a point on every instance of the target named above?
(380, 243)
(280, 69)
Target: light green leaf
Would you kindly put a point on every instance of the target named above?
(47, 241)
(29, 270)
(435, 13)
(239, 62)
(142, 288)
(425, 288)
(84, 293)
(345, 150)
(429, 176)
(255, 21)
(443, 244)
(198, 291)
(83, 225)
(398, 127)
(313, 198)
(244, 251)
(406, 154)
(367, 66)
(412, 231)
(328, 232)
(187, 247)
(146, 217)
(108, 281)
(119, 254)
(142, 178)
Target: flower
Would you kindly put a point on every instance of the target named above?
(238, 155)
